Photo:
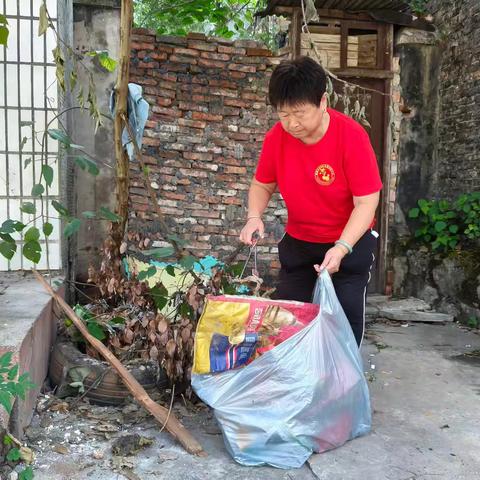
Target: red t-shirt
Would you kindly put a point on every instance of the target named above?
(318, 181)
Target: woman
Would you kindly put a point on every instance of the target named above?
(326, 171)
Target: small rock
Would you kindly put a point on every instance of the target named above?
(62, 449)
(13, 476)
(166, 455)
(130, 444)
(98, 455)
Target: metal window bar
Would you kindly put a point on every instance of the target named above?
(26, 106)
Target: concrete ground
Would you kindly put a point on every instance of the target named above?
(425, 386)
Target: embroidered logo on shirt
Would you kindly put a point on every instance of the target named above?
(325, 174)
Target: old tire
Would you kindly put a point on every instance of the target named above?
(110, 389)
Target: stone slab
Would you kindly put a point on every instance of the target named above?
(415, 316)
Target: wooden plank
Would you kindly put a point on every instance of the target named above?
(296, 30)
(364, 73)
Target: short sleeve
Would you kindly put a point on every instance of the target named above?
(360, 163)
(266, 168)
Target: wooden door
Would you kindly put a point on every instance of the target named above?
(376, 115)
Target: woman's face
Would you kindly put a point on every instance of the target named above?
(302, 120)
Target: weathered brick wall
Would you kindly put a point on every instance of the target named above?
(207, 121)
(458, 161)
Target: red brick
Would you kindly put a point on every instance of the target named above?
(148, 64)
(204, 46)
(242, 68)
(141, 46)
(159, 56)
(260, 52)
(197, 156)
(238, 74)
(143, 31)
(203, 62)
(232, 201)
(174, 196)
(196, 36)
(235, 170)
(206, 116)
(222, 83)
(151, 141)
(215, 56)
(182, 59)
(164, 102)
(191, 123)
(143, 39)
(169, 112)
(235, 102)
(233, 50)
(206, 214)
(186, 51)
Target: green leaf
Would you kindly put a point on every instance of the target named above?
(5, 400)
(32, 251)
(61, 136)
(32, 234)
(10, 226)
(60, 208)
(88, 165)
(13, 372)
(440, 226)
(424, 206)
(414, 212)
(170, 269)
(13, 454)
(160, 295)
(3, 35)
(117, 320)
(453, 228)
(47, 229)
(6, 359)
(47, 172)
(106, 62)
(7, 440)
(96, 330)
(188, 262)
(107, 214)
(8, 249)
(43, 20)
(161, 252)
(72, 227)
(147, 273)
(186, 310)
(28, 207)
(89, 214)
(175, 238)
(26, 474)
(27, 162)
(37, 190)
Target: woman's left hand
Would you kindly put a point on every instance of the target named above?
(332, 260)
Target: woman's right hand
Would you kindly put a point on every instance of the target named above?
(253, 225)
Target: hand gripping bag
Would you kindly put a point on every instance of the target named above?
(306, 395)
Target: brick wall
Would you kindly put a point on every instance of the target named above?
(458, 153)
(205, 130)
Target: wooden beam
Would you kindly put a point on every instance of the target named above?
(362, 73)
(296, 32)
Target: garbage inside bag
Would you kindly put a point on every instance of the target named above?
(307, 394)
(234, 330)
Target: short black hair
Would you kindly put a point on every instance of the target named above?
(293, 82)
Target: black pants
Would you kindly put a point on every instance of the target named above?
(297, 276)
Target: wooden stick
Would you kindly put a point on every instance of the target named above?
(171, 423)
